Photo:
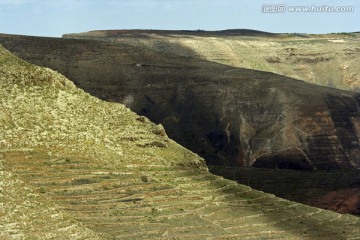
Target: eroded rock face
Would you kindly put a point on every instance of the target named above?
(229, 116)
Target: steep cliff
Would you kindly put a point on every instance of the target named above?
(227, 115)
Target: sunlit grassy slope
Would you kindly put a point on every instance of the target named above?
(75, 167)
(330, 61)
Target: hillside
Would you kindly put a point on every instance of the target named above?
(73, 166)
(229, 116)
(329, 60)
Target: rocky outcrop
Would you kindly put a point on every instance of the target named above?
(229, 116)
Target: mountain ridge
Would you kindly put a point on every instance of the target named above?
(323, 59)
(199, 32)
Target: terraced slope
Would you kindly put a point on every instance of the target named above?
(158, 202)
(25, 214)
(90, 168)
(329, 60)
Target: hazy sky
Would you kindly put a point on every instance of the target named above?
(56, 17)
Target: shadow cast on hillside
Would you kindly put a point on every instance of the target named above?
(288, 217)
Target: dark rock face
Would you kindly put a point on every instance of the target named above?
(229, 116)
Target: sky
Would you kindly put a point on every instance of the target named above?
(53, 18)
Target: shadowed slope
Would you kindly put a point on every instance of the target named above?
(328, 60)
(120, 176)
